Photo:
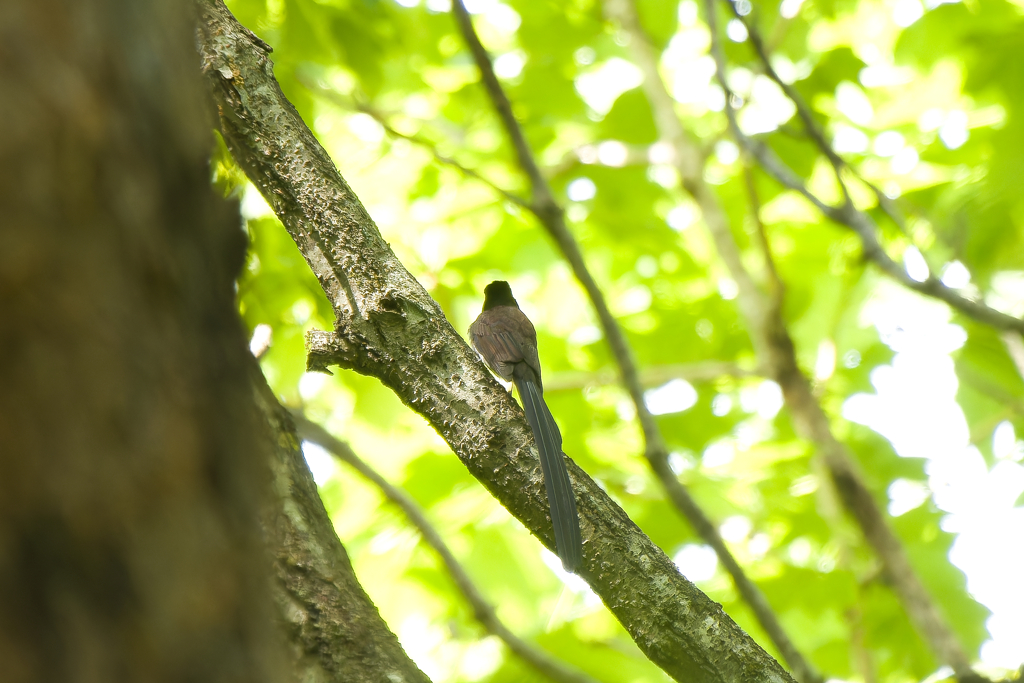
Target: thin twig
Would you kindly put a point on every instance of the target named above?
(482, 610)
(775, 285)
(705, 371)
(813, 424)
(656, 450)
(689, 162)
(811, 126)
(381, 119)
(846, 214)
(543, 199)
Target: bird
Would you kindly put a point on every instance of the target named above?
(507, 341)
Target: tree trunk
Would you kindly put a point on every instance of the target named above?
(132, 463)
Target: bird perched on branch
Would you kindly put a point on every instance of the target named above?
(506, 340)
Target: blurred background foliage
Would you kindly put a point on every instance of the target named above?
(924, 100)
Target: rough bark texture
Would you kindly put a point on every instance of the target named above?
(131, 466)
(388, 327)
(334, 631)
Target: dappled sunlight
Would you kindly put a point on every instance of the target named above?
(922, 118)
(915, 408)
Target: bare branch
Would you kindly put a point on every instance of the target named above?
(688, 156)
(847, 214)
(543, 201)
(811, 126)
(380, 118)
(775, 285)
(482, 610)
(649, 377)
(689, 162)
(338, 634)
(813, 424)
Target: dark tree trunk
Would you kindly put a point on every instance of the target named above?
(130, 461)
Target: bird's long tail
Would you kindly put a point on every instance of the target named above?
(564, 519)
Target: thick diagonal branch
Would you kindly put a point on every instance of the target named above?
(388, 327)
(335, 631)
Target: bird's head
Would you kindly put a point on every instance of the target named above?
(498, 293)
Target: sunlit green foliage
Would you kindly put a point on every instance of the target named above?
(926, 104)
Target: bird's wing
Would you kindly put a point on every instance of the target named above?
(504, 336)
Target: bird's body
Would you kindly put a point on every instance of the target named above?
(507, 341)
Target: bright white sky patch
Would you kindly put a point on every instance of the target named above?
(906, 12)
(718, 454)
(365, 127)
(767, 109)
(321, 463)
(310, 384)
(636, 299)
(601, 86)
(953, 132)
(735, 529)
(849, 140)
(727, 288)
(727, 152)
(915, 264)
(904, 161)
(721, 405)
(509, 64)
(581, 189)
(800, 551)
(905, 495)
(765, 399)
(956, 275)
(682, 217)
(1007, 292)
(498, 15)
(691, 79)
(261, 339)
(481, 658)
(253, 204)
(673, 397)
(1005, 444)
(825, 364)
(687, 13)
(854, 104)
(612, 153)
(790, 8)
(888, 143)
(736, 31)
(885, 75)
(582, 336)
(696, 562)
(915, 408)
